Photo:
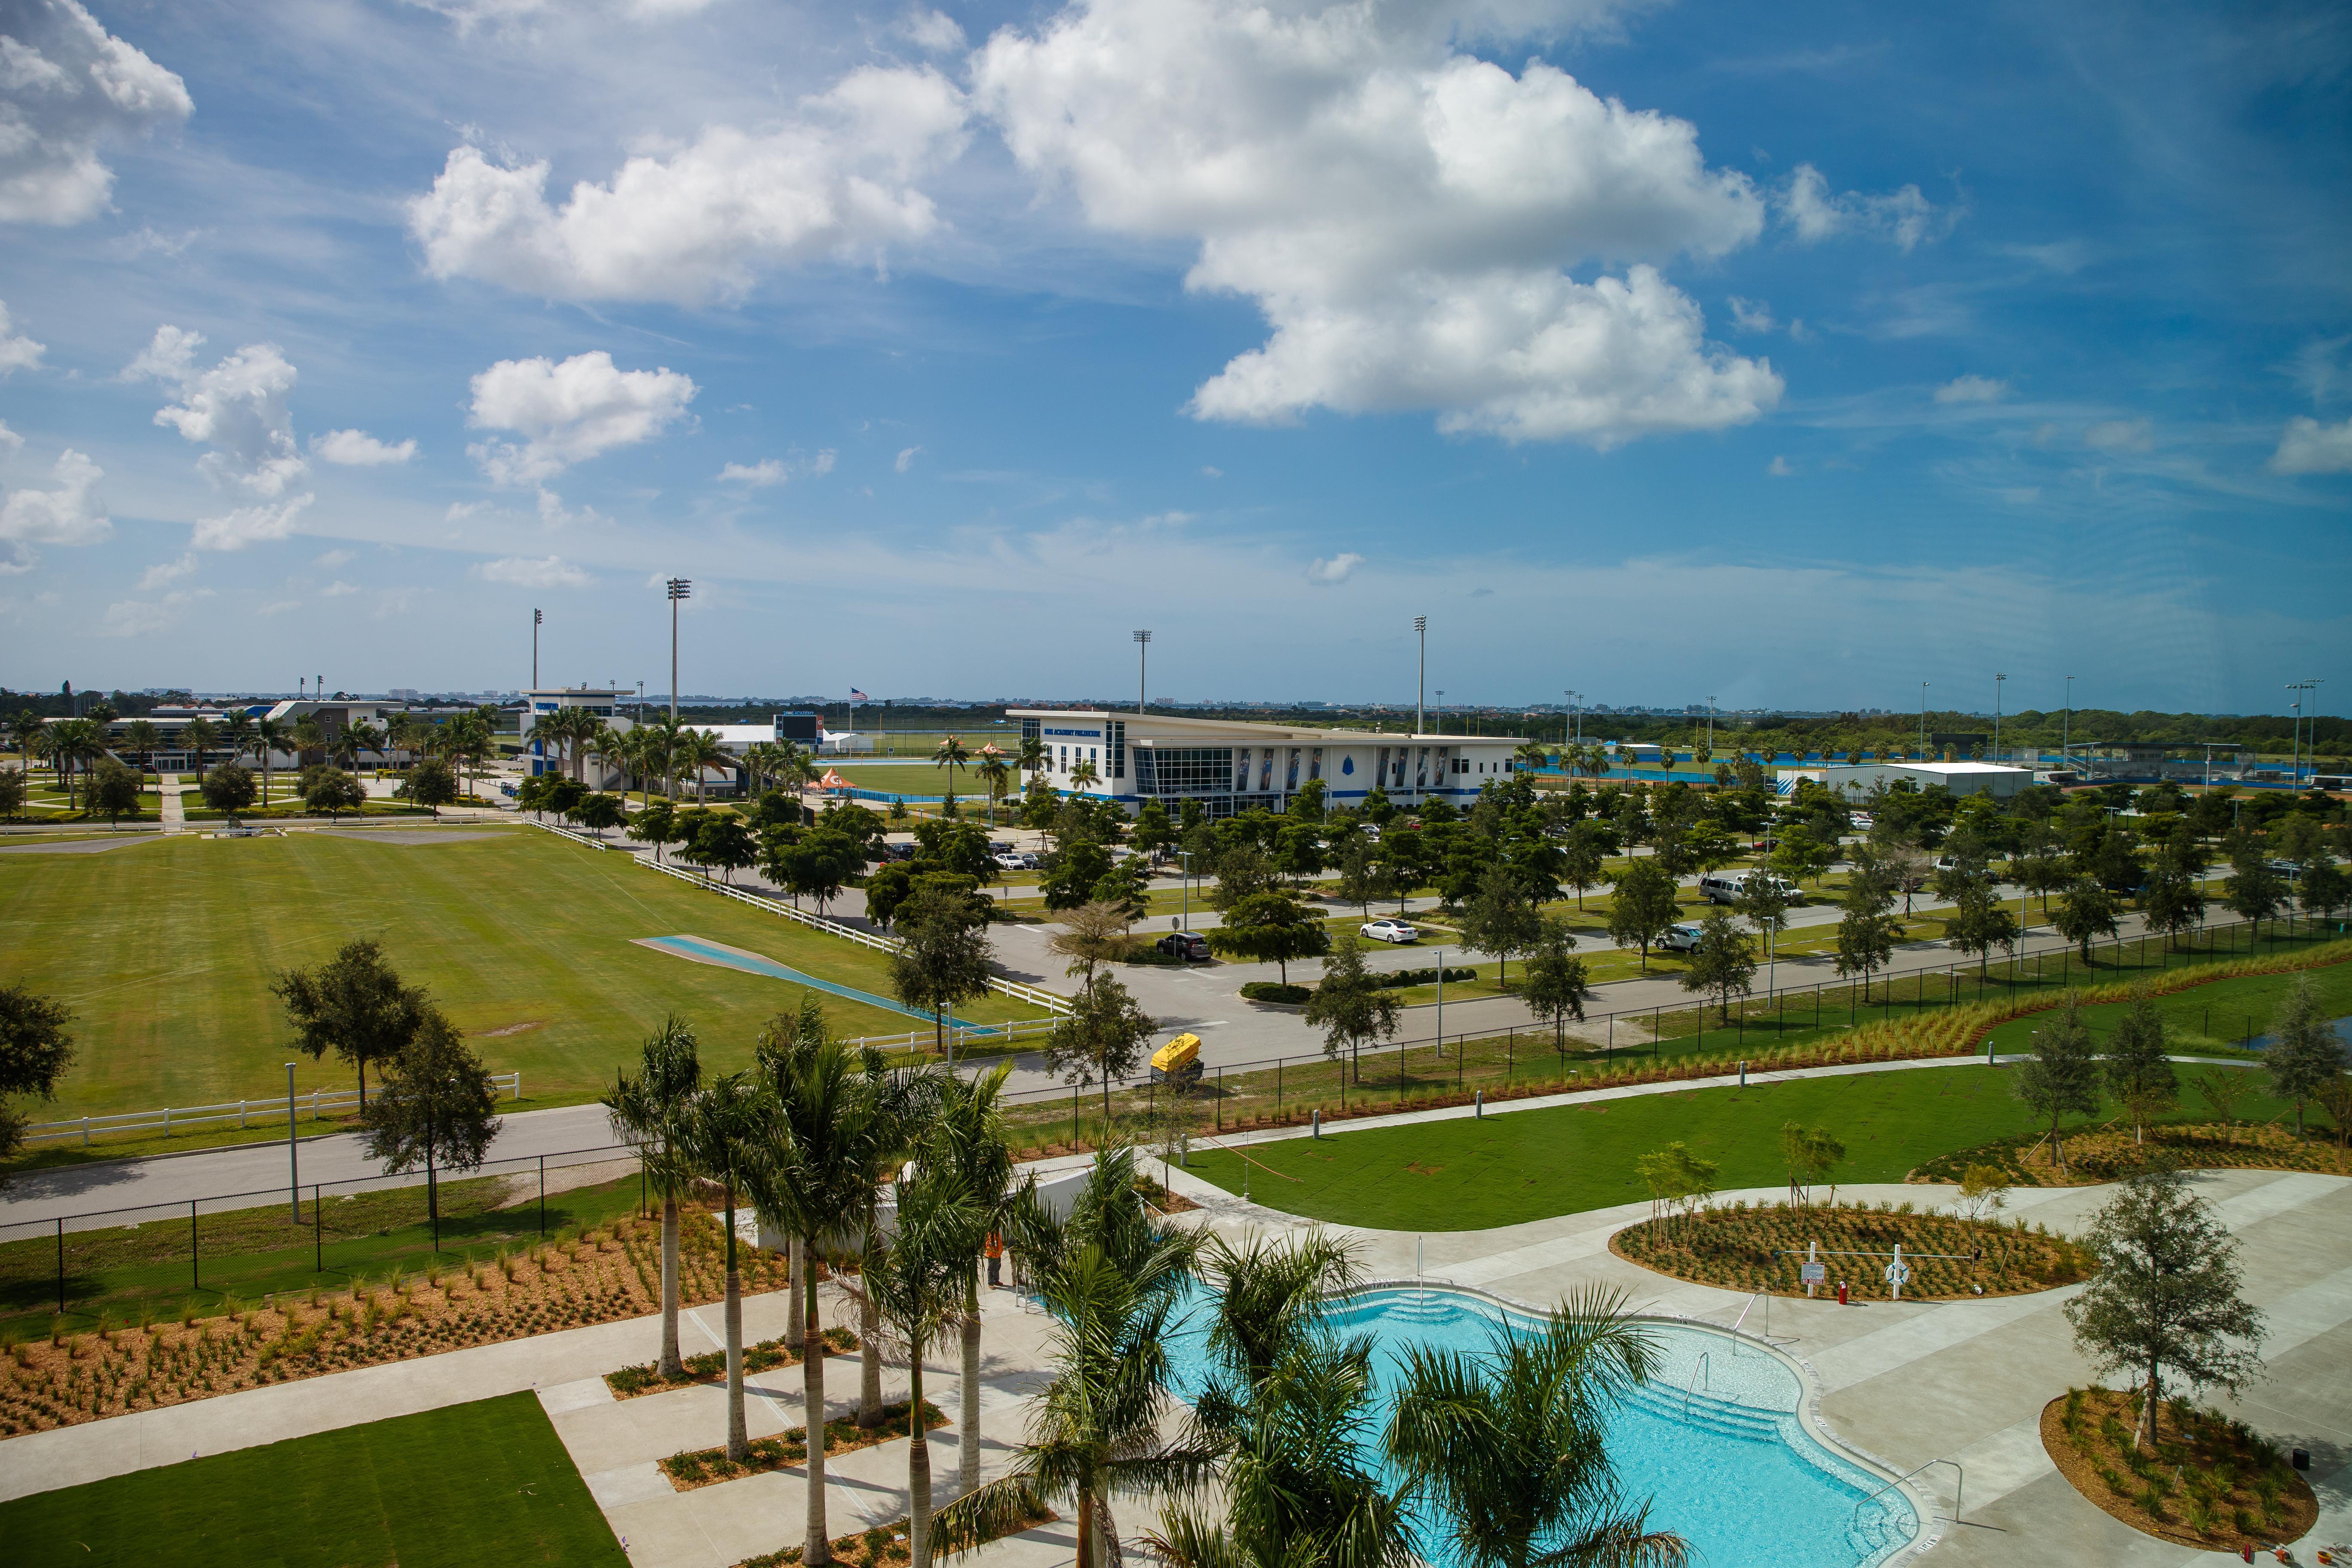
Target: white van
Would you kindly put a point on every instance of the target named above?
(1730, 886)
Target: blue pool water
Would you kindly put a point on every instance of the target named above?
(1732, 1470)
(2343, 1028)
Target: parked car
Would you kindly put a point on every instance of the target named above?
(1863, 821)
(1680, 939)
(899, 851)
(1012, 860)
(1390, 931)
(1730, 886)
(1189, 945)
(1000, 847)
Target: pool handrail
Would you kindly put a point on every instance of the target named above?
(1959, 1493)
(1702, 1368)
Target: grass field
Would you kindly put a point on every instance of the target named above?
(480, 1483)
(1474, 1174)
(165, 955)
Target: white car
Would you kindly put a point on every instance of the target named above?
(1012, 860)
(1680, 939)
(1390, 931)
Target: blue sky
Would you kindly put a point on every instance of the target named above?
(1789, 355)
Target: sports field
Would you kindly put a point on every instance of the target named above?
(165, 953)
(487, 1482)
(1507, 1168)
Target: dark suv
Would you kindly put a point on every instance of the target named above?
(1189, 945)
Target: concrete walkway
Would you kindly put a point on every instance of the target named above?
(169, 808)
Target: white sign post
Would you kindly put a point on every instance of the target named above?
(1814, 1271)
(1897, 1272)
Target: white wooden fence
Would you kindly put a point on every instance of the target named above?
(1012, 988)
(244, 1112)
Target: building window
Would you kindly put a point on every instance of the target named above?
(1315, 763)
(1185, 770)
(1118, 748)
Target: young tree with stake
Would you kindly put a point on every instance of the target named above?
(2061, 1077)
(2165, 1296)
(1555, 988)
(436, 1106)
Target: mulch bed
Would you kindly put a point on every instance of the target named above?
(2209, 1483)
(2108, 1153)
(711, 1366)
(709, 1466)
(1742, 1248)
(884, 1546)
(610, 1272)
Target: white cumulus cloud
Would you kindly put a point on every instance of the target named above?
(2307, 446)
(906, 458)
(703, 221)
(69, 88)
(237, 407)
(17, 350)
(777, 471)
(68, 515)
(165, 573)
(1401, 211)
(1904, 218)
(525, 572)
(358, 449)
(9, 439)
(933, 31)
(1751, 315)
(247, 525)
(1338, 569)
(569, 413)
(1972, 389)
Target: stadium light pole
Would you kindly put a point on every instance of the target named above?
(680, 589)
(1997, 679)
(536, 617)
(1420, 677)
(2067, 729)
(1143, 665)
(1923, 720)
(1441, 709)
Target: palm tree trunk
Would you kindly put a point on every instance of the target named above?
(670, 1366)
(968, 1417)
(739, 1440)
(869, 1359)
(918, 1470)
(794, 1309)
(1085, 1558)
(817, 1550)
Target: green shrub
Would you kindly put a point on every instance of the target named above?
(1267, 991)
(1423, 977)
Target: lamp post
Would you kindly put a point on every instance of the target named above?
(1142, 663)
(1997, 679)
(1575, 732)
(679, 590)
(1441, 709)
(1710, 722)
(1421, 677)
(1186, 856)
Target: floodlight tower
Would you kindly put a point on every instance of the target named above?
(1421, 677)
(536, 617)
(680, 589)
(1997, 679)
(1923, 720)
(1142, 664)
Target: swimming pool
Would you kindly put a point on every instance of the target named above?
(1729, 1466)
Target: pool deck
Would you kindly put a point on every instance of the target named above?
(1966, 1382)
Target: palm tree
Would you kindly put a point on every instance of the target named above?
(662, 736)
(951, 755)
(399, 735)
(1084, 777)
(971, 1139)
(997, 775)
(699, 751)
(237, 729)
(308, 736)
(268, 734)
(142, 736)
(1094, 1432)
(654, 1112)
(900, 1106)
(1510, 1445)
(720, 1133)
(75, 745)
(198, 736)
(1031, 757)
(813, 1181)
(610, 747)
(914, 1283)
(23, 725)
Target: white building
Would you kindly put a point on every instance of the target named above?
(1230, 766)
(1854, 780)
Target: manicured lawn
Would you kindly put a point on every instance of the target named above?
(165, 955)
(1472, 1174)
(486, 1482)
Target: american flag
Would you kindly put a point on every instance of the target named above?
(858, 696)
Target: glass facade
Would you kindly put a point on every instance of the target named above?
(1118, 738)
(1176, 771)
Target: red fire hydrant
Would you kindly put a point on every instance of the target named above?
(1842, 1297)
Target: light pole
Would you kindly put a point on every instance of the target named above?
(537, 616)
(1441, 709)
(1142, 664)
(1923, 720)
(293, 1161)
(680, 589)
(1576, 729)
(1186, 856)
(1997, 679)
(1421, 677)
(1710, 723)
(2067, 729)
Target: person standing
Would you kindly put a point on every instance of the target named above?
(994, 1252)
